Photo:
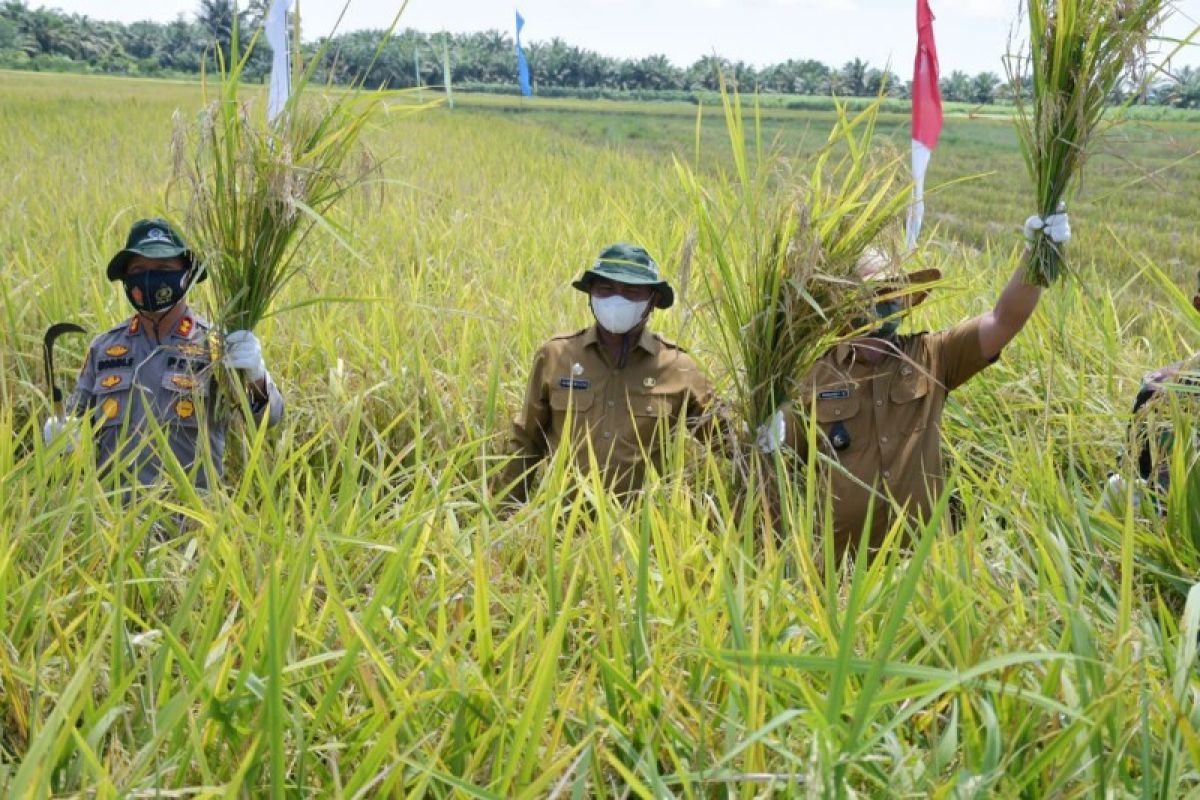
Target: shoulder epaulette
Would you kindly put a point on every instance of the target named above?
(571, 335)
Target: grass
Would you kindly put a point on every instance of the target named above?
(350, 616)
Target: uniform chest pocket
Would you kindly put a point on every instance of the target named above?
(909, 386)
(648, 411)
(839, 420)
(180, 396)
(910, 408)
(563, 399)
(112, 392)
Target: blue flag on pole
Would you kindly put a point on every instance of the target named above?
(522, 64)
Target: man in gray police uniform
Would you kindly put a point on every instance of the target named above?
(157, 369)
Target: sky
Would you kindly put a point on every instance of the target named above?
(972, 35)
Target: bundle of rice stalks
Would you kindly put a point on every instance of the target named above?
(1079, 53)
(253, 191)
(784, 242)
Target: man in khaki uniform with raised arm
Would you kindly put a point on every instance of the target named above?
(879, 398)
(615, 385)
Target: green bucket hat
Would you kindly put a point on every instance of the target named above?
(151, 238)
(629, 264)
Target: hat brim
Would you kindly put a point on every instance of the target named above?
(664, 294)
(907, 279)
(120, 262)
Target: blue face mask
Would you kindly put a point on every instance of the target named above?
(888, 312)
(157, 289)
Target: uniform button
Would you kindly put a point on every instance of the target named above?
(837, 412)
(883, 440)
(887, 473)
(608, 434)
(611, 404)
(649, 408)
(878, 402)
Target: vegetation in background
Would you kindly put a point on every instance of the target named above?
(49, 40)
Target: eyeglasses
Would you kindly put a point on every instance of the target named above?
(633, 293)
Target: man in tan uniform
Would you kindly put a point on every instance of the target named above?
(615, 386)
(878, 399)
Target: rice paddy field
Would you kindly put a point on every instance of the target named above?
(355, 614)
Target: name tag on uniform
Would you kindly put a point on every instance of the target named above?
(833, 394)
(579, 384)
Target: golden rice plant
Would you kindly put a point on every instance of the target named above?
(252, 191)
(783, 241)
(1079, 52)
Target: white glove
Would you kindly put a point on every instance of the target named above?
(1056, 226)
(58, 426)
(1116, 492)
(771, 434)
(243, 351)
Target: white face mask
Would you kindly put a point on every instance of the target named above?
(618, 315)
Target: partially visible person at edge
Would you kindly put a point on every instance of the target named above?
(879, 398)
(616, 385)
(156, 369)
(1151, 433)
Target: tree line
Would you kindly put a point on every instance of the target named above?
(50, 40)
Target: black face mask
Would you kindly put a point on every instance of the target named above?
(157, 289)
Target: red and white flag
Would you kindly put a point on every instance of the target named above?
(926, 116)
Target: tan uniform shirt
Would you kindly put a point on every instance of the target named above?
(132, 382)
(882, 423)
(625, 411)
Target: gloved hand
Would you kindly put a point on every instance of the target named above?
(1056, 226)
(1116, 492)
(772, 433)
(58, 426)
(243, 351)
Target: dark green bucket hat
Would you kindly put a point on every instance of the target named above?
(151, 238)
(629, 264)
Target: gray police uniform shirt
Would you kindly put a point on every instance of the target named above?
(133, 387)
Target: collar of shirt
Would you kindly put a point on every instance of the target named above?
(184, 329)
(647, 341)
(844, 352)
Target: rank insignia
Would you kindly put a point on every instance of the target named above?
(577, 384)
(117, 350)
(185, 327)
(135, 324)
(185, 409)
(833, 394)
(110, 408)
(110, 381)
(649, 383)
(184, 381)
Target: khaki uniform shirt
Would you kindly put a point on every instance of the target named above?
(131, 383)
(625, 411)
(882, 423)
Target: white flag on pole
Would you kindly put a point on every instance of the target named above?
(281, 66)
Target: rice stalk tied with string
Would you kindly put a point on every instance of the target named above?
(1080, 52)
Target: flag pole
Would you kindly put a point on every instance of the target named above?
(446, 70)
(926, 118)
(417, 70)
